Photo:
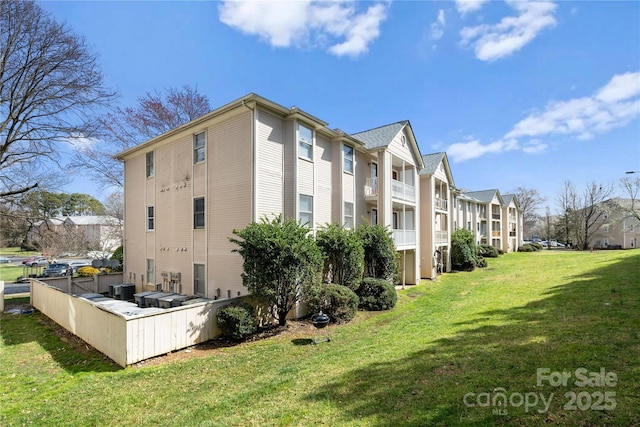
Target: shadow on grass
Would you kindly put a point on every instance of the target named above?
(590, 321)
(68, 351)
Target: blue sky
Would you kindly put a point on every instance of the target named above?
(517, 93)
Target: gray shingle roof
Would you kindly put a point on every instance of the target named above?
(484, 196)
(431, 163)
(381, 136)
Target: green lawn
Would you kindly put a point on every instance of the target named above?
(461, 337)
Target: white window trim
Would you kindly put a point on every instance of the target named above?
(153, 164)
(204, 213)
(309, 143)
(203, 148)
(204, 280)
(310, 224)
(345, 217)
(353, 159)
(148, 218)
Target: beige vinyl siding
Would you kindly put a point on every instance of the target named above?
(290, 159)
(305, 177)
(229, 200)
(362, 171)
(397, 149)
(199, 179)
(270, 165)
(173, 245)
(323, 188)
(135, 214)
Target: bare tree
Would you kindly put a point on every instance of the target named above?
(529, 200)
(124, 128)
(631, 188)
(49, 87)
(586, 211)
(567, 202)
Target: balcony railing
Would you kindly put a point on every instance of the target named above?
(495, 216)
(512, 218)
(512, 234)
(404, 237)
(402, 191)
(495, 234)
(371, 187)
(442, 236)
(442, 204)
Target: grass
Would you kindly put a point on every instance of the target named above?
(9, 273)
(467, 333)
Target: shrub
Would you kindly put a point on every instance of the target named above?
(463, 251)
(282, 263)
(88, 271)
(118, 254)
(487, 251)
(237, 321)
(380, 255)
(377, 294)
(337, 301)
(536, 246)
(344, 255)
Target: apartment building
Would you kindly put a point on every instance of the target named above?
(493, 219)
(436, 184)
(619, 229)
(188, 189)
(512, 224)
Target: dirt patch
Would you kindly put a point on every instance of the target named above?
(293, 330)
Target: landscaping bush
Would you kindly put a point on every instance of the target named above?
(525, 248)
(343, 255)
(377, 294)
(237, 321)
(463, 251)
(88, 271)
(487, 251)
(337, 301)
(536, 246)
(380, 255)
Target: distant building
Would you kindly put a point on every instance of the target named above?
(77, 234)
(619, 229)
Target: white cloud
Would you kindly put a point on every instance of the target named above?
(437, 27)
(80, 143)
(345, 28)
(468, 6)
(614, 105)
(512, 33)
(462, 151)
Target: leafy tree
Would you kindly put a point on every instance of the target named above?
(380, 260)
(50, 86)
(463, 250)
(344, 255)
(282, 263)
(123, 128)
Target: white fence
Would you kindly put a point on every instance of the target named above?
(128, 339)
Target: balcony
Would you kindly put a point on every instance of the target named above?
(442, 237)
(402, 191)
(404, 238)
(441, 204)
(512, 218)
(371, 187)
(512, 234)
(495, 234)
(495, 216)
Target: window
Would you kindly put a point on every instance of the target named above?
(605, 215)
(348, 215)
(150, 218)
(199, 280)
(347, 158)
(468, 225)
(394, 175)
(605, 228)
(374, 216)
(198, 148)
(198, 212)
(150, 164)
(305, 210)
(477, 226)
(151, 276)
(305, 142)
(396, 222)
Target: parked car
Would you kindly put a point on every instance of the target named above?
(4, 260)
(58, 269)
(75, 265)
(37, 262)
